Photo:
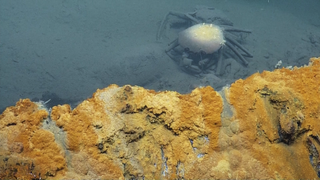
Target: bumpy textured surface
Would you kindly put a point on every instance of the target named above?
(266, 126)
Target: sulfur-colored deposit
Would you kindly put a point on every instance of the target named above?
(266, 126)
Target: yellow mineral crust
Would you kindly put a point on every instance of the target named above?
(26, 150)
(262, 127)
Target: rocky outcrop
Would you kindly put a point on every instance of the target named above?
(265, 126)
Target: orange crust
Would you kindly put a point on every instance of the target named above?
(265, 126)
(29, 147)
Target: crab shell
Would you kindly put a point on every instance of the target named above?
(203, 37)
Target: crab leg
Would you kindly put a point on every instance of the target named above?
(220, 70)
(245, 62)
(233, 29)
(234, 42)
(192, 18)
(172, 45)
(177, 14)
(163, 22)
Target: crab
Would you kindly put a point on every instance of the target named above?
(196, 61)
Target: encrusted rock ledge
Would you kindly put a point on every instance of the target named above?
(266, 126)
